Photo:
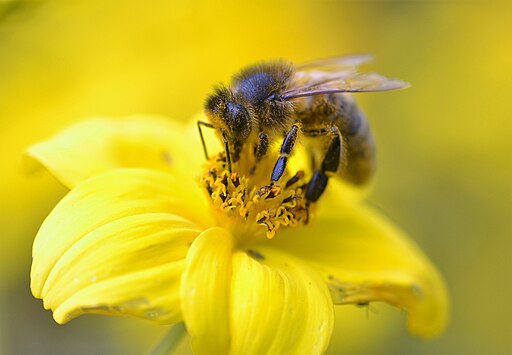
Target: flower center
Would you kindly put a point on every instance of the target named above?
(247, 205)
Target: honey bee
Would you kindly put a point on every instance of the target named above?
(278, 101)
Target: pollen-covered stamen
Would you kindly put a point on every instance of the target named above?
(248, 205)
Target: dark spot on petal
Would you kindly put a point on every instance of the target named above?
(255, 254)
(166, 156)
(416, 290)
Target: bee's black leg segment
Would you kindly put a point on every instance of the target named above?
(206, 124)
(226, 147)
(279, 169)
(316, 186)
(330, 164)
(284, 152)
(331, 160)
(262, 147)
(315, 132)
(289, 140)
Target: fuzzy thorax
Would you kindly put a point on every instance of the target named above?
(250, 206)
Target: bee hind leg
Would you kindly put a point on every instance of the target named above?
(330, 164)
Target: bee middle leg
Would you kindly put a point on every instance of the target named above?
(284, 153)
(329, 166)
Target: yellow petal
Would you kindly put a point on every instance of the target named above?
(151, 294)
(105, 198)
(205, 289)
(364, 258)
(102, 144)
(278, 305)
(130, 266)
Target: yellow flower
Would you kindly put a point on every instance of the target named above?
(140, 234)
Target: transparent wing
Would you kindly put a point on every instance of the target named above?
(337, 64)
(338, 75)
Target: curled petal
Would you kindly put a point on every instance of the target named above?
(363, 258)
(278, 305)
(97, 145)
(151, 294)
(86, 215)
(205, 291)
(129, 266)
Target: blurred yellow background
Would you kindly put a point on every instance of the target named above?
(445, 171)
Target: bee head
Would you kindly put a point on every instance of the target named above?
(230, 115)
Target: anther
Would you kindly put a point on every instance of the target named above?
(268, 208)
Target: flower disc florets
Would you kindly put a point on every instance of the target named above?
(249, 204)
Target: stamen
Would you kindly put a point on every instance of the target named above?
(249, 204)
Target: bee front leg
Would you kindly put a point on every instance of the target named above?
(260, 150)
(284, 153)
(262, 147)
(330, 164)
